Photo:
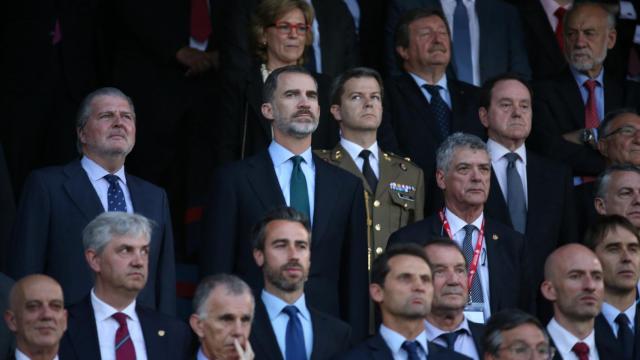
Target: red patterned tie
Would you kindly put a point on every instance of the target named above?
(582, 350)
(590, 109)
(124, 344)
(200, 20)
(559, 13)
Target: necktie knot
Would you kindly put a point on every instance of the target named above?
(111, 179)
(433, 90)
(468, 229)
(581, 350)
(290, 310)
(590, 84)
(559, 13)
(121, 318)
(365, 154)
(511, 158)
(297, 160)
(622, 319)
(411, 347)
(450, 337)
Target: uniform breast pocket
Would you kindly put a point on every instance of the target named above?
(404, 207)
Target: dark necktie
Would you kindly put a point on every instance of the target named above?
(590, 109)
(298, 193)
(294, 338)
(625, 335)
(559, 14)
(367, 171)
(450, 338)
(581, 350)
(200, 20)
(411, 347)
(515, 194)
(462, 43)
(467, 251)
(124, 344)
(440, 110)
(115, 196)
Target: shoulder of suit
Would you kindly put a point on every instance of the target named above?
(403, 162)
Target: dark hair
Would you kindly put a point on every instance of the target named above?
(271, 84)
(281, 213)
(402, 29)
(443, 242)
(599, 229)
(337, 88)
(603, 129)
(602, 183)
(487, 87)
(503, 321)
(380, 267)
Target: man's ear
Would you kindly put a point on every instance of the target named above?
(267, 111)
(335, 111)
(600, 206)
(548, 291)
(440, 179)
(484, 118)
(376, 292)
(196, 325)
(92, 259)
(10, 320)
(258, 257)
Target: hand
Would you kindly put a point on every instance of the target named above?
(244, 354)
(195, 60)
(574, 136)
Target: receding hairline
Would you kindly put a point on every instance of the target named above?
(18, 289)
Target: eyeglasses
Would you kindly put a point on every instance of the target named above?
(285, 28)
(522, 351)
(625, 131)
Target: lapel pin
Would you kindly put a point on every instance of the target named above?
(494, 237)
(403, 167)
(161, 332)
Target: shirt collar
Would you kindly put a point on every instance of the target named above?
(420, 81)
(497, 151)
(456, 224)
(97, 172)
(201, 355)
(354, 149)
(103, 311)
(279, 154)
(564, 340)
(581, 78)
(394, 340)
(275, 305)
(433, 331)
(22, 356)
(611, 313)
(550, 7)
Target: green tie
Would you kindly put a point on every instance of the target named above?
(298, 194)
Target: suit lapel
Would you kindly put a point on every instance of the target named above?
(538, 181)
(79, 188)
(152, 330)
(497, 201)
(347, 163)
(408, 87)
(266, 343)
(379, 348)
(254, 99)
(263, 181)
(458, 104)
(320, 344)
(613, 93)
(477, 333)
(139, 199)
(495, 281)
(540, 26)
(83, 334)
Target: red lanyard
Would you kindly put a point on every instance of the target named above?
(473, 267)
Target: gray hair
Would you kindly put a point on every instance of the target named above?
(611, 17)
(99, 232)
(233, 284)
(602, 183)
(84, 111)
(445, 152)
(503, 321)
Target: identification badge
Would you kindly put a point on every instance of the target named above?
(474, 312)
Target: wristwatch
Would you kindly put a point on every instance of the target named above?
(588, 137)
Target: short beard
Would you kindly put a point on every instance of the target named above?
(297, 130)
(274, 276)
(589, 65)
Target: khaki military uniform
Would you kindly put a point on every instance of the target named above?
(399, 198)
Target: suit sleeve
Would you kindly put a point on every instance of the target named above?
(166, 286)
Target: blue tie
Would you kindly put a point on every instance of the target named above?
(462, 43)
(115, 196)
(294, 338)
(467, 251)
(515, 194)
(439, 109)
(625, 335)
(411, 347)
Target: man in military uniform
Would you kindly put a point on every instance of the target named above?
(394, 187)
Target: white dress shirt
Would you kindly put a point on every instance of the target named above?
(21, 356)
(464, 342)
(499, 165)
(444, 89)
(564, 341)
(456, 224)
(394, 342)
(96, 176)
(610, 313)
(107, 327)
(281, 158)
(280, 320)
(550, 7)
(354, 151)
(448, 7)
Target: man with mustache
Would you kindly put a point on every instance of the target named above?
(573, 283)
(617, 244)
(288, 174)
(569, 107)
(285, 327)
(494, 252)
(58, 202)
(109, 323)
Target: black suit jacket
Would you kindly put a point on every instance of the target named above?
(558, 109)
(165, 337)
(244, 191)
(6, 336)
(409, 127)
(607, 342)
(330, 335)
(509, 279)
(477, 333)
(376, 348)
(57, 203)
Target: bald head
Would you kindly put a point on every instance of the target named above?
(36, 315)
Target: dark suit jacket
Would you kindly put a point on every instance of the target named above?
(165, 337)
(509, 279)
(376, 348)
(57, 203)
(7, 209)
(409, 127)
(330, 335)
(477, 333)
(244, 191)
(501, 42)
(607, 342)
(558, 109)
(6, 336)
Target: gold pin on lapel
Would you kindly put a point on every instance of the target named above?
(161, 332)
(338, 154)
(494, 237)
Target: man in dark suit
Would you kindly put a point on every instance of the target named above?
(284, 324)
(223, 312)
(495, 36)
(530, 193)
(573, 283)
(570, 106)
(501, 277)
(37, 317)
(617, 244)
(287, 173)
(618, 192)
(401, 285)
(423, 105)
(109, 323)
(58, 202)
(7, 341)
(511, 334)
